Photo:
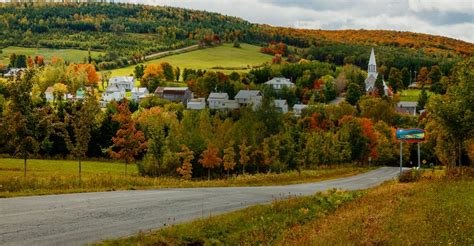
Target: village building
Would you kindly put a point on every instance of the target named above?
(281, 105)
(113, 93)
(220, 101)
(372, 75)
(405, 107)
(49, 94)
(138, 93)
(175, 94)
(125, 82)
(298, 109)
(279, 83)
(196, 104)
(249, 97)
(13, 72)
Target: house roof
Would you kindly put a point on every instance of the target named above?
(300, 106)
(49, 90)
(139, 90)
(279, 81)
(279, 102)
(218, 95)
(171, 90)
(121, 79)
(407, 104)
(245, 94)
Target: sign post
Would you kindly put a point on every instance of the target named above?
(413, 135)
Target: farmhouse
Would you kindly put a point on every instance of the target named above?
(125, 82)
(197, 104)
(49, 94)
(13, 72)
(249, 97)
(405, 107)
(298, 109)
(279, 83)
(113, 93)
(138, 93)
(175, 94)
(220, 101)
(281, 105)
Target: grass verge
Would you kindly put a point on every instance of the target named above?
(59, 176)
(257, 225)
(434, 210)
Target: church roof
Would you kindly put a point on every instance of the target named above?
(372, 58)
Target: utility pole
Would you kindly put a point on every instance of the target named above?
(419, 163)
(401, 157)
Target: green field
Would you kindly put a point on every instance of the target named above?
(224, 56)
(71, 55)
(411, 95)
(61, 176)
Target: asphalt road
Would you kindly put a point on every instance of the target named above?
(75, 219)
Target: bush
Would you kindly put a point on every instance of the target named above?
(408, 176)
(459, 173)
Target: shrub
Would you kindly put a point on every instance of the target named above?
(459, 173)
(408, 176)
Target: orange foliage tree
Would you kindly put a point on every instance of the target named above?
(210, 159)
(128, 141)
(88, 69)
(30, 62)
(186, 170)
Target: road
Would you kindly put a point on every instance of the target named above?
(75, 219)
(171, 52)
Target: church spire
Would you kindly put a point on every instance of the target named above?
(372, 68)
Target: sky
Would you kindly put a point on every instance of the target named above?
(451, 18)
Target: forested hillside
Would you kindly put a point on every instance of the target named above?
(127, 32)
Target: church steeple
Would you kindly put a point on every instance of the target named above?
(372, 68)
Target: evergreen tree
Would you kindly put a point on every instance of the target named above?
(353, 93)
(422, 100)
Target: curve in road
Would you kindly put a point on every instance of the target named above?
(75, 219)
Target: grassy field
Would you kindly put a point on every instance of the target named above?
(411, 95)
(60, 176)
(432, 211)
(224, 56)
(71, 55)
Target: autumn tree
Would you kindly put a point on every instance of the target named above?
(244, 152)
(353, 93)
(186, 170)
(395, 79)
(210, 159)
(229, 159)
(80, 122)
(422, 100)
(128, 141)
(422, 77)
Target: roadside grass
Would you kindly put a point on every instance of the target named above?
(411, 95)
(256, 225)
(61, 176)
(224, 58)
(434, 210)
(71, 55)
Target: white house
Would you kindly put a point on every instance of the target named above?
(138, 93)
(405, 107)
(220, 101)
(279, 83)
(249, 97)
(175, 94)
(113, 93)
(281, 105)
(298, 109)
(196, 103)
(125, 82)
(13, 72)
(49, 94)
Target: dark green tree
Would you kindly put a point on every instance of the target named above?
(353, 93)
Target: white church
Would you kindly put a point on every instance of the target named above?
(372, 77)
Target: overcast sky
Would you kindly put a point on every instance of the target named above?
(452, 18)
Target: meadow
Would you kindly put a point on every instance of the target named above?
(61, 176)
(70, 55)
(219, 58)
(434, 210)
(411, 95)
